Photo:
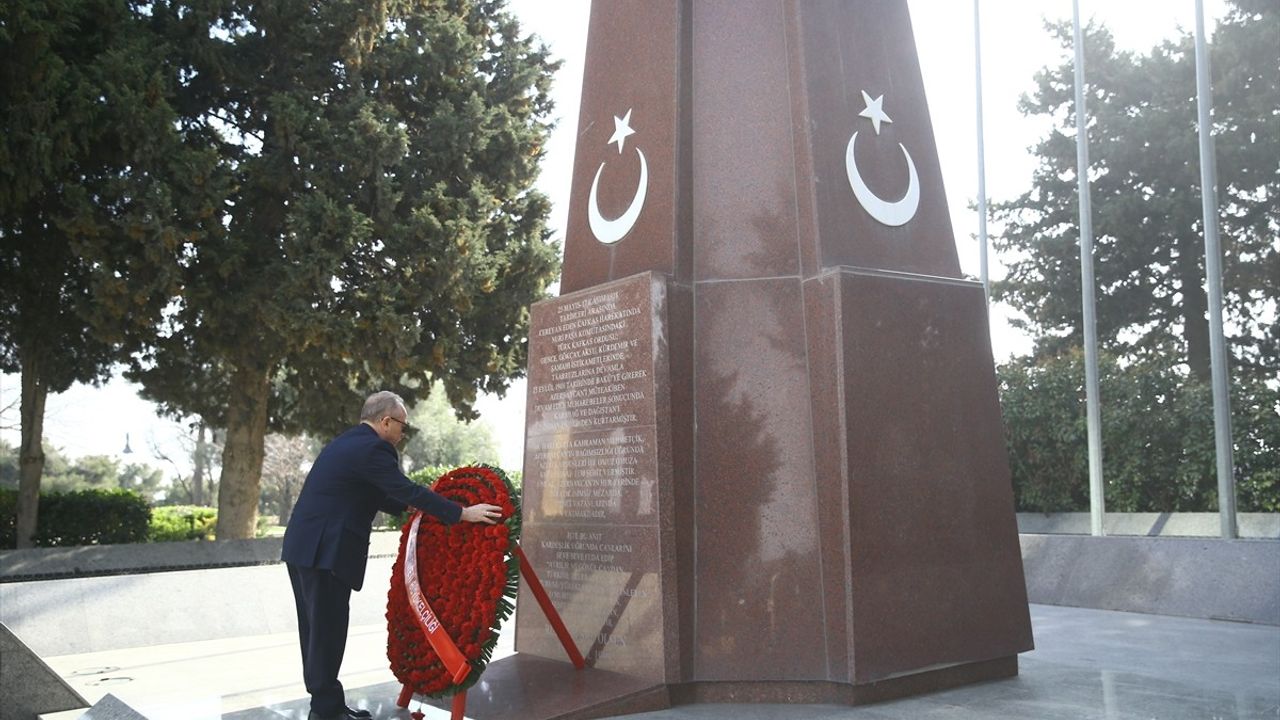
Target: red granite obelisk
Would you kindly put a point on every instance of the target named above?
(764, 459)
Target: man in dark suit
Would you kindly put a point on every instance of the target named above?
(326, 544)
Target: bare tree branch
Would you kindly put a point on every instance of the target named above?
(10, 411)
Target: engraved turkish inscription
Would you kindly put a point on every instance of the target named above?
(590, 451)
(591, 470)
(591, 358)
(605, 583)
(596, 476)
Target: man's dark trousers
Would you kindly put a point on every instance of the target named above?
(323, 607)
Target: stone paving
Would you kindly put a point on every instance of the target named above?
(1087, 664)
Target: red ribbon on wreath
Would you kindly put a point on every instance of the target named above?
(454, 661)
(452, 586)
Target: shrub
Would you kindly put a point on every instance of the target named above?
(1157, 437)
(1044, 429)
(8, 518)
(92, 517)
(82, 517)
(173, 523)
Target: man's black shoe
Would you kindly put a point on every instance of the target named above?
(344, 714)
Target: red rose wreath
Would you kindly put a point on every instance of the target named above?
(469, 575)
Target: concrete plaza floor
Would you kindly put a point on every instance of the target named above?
(1087, 664)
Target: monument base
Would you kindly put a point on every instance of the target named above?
(536, 688)
(835, 693)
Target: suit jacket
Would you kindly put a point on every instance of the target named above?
(355, 476)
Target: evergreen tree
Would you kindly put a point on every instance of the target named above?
(1145, 190)
(1158, 440)
(87, 146)
(91, 472)
(1149, 265)
(379, 229)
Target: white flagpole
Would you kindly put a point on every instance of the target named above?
(1097, 500)
(982, 163)
(1213, 273)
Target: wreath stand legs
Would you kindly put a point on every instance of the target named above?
(548, 609)
(458, 710)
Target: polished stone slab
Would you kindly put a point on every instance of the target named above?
(852, 51)
(599, 504)
(635, 53)
(758, 572)
(112, 708)
(1088, 664)
(536, 688)
(935, 573)
(27, 684)
(1192, 577)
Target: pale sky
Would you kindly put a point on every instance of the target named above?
(93, 421)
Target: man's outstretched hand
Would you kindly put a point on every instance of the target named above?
(482, 513)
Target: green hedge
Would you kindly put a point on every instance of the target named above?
(8, 519)
(172, 523)
(82, 517)
(1157, 437)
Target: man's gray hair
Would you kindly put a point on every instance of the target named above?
(380, 405)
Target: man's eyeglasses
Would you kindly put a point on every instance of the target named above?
(406, 428)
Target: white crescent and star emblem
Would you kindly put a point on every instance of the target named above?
(611, 231)
(894, 213)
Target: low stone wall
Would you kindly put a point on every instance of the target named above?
(99, 560)
(1250, 525)
(1200, 578)
(78, 600)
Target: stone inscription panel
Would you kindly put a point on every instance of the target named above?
(592, 477)
(591, 360)
(604, 582)
(591, 452)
